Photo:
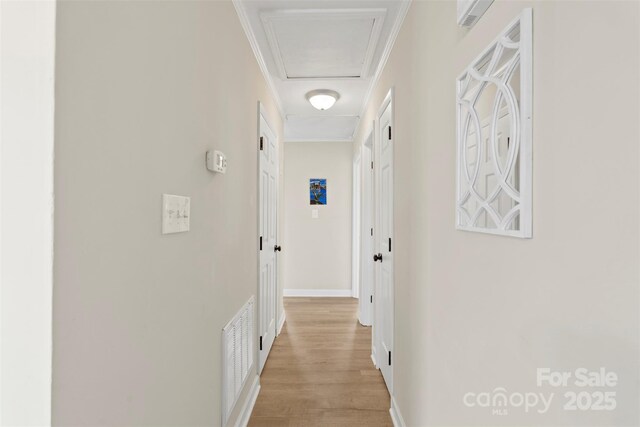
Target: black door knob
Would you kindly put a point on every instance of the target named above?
(377, 257)
(277, 248)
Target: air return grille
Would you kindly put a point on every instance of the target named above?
(237, 356)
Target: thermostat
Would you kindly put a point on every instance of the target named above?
(216, 161)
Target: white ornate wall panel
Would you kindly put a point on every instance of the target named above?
(494, 135)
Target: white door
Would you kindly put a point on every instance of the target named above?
(268, 197)
(366, 236)
(355, 228)
(384, 243)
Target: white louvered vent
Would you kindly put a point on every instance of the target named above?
(469, 20)
(237, 356)
(470, 11)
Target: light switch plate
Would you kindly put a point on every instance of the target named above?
(176, 213)
(314, 213)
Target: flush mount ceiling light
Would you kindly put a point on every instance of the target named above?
(323, 99)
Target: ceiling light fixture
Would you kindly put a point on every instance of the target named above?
(323, 99)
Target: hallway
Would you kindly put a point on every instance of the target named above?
(203, 203)
(319, 372)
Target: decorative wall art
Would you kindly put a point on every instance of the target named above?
(318, 191)
(494, 135)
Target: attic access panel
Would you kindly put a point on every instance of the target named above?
(323, 43)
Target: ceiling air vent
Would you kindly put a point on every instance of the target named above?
(469, 20)
(470, 11)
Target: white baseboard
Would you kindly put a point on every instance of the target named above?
(373, 359)
(396, 417)
(281, 321)
(247, 408)
(317, 293)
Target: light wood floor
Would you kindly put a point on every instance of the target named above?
(319, 372)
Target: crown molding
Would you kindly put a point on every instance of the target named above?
(253, 41)
(397, 25)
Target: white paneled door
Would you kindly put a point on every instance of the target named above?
(384, 243)
(355, 227)
(366, 235)
(268, 193)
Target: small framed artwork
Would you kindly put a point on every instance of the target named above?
(317, 191)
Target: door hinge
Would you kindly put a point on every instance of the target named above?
(389, 132)
(389, 357)
(372, 231)
(371, 165)
(261, 347)
(371, 299)
(389, 244)
(260, 242)
(261, 143)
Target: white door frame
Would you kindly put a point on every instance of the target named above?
(366, 235)
(262, 116)
(27, 77)
(355, 226)
(383, 360)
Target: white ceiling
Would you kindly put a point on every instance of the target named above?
(302, 45)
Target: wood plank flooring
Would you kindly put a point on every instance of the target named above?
(319, 372)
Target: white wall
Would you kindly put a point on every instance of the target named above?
(27, 45)
(475, 312)
(144, 89)
(318, 251)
